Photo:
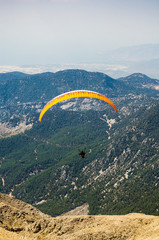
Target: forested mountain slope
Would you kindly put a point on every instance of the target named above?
(42, 165)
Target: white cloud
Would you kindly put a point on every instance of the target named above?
(107, 69)
(30, 70)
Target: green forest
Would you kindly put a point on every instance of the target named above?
(118, 175)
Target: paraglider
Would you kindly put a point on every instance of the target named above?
(74, 94)
(82, 153)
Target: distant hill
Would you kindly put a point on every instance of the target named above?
(23, 88)
(18, 87)
(24, 94)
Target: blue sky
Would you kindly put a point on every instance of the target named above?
(73, 31)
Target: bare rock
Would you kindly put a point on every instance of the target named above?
(19, 221)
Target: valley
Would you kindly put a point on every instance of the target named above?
(119, 174)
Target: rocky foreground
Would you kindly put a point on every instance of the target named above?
(20, 221)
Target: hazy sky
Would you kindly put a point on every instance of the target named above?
(73, 31)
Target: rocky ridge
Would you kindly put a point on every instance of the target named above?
(19, 220)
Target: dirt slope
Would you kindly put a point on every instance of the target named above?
(20, 221)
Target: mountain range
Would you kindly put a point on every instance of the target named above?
(41, 164)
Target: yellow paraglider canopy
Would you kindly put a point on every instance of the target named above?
(74, 94)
